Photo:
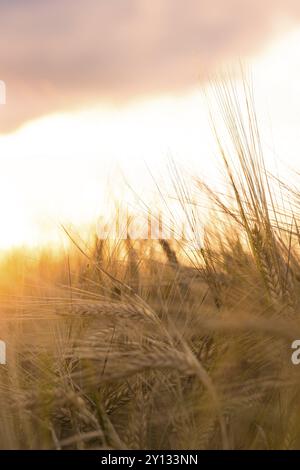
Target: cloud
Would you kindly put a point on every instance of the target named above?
(62, 54)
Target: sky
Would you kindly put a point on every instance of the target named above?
(101, 92)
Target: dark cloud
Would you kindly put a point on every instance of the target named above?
(61, 54)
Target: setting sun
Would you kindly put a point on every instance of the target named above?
(67, 161)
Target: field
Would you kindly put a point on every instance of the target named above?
(163, 344)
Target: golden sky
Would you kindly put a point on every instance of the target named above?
(100, 90)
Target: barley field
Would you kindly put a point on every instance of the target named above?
(163, 344)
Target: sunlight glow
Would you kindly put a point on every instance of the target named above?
(62, 168)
